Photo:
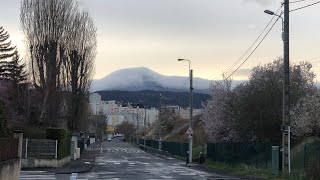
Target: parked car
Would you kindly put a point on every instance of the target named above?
(109, 137)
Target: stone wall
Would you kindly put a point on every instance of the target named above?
(10, 169)
(37, 163)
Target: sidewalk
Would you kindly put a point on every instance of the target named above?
(82, 165)
(202, 167)
(205, 168)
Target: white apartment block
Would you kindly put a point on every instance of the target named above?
(117, 113)
(134, 113)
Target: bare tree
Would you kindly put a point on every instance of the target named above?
(125, 128)
(62, 48)
(45, 24)
(78, 64)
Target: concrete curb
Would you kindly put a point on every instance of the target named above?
(205, 168)
(74, 170)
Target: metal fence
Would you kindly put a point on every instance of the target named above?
(8, 148)
(256, 154)
(174, 148)
(39, 148)
(305, 156)
(152, 143)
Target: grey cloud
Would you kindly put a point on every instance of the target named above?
(261, 2)
(244, 72)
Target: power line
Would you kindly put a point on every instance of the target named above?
(305, 6)
(254, 48)
(297, 1)
(186, 81)
(250, 47)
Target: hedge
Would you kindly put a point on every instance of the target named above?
(63, 137)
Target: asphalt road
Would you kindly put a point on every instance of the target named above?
(122, 161)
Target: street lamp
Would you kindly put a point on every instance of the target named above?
(190, 131)
(269, 12)
(189, 63)
(274, 14)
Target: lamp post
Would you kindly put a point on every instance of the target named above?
(285, 127)
(190, 131)
(274, 14)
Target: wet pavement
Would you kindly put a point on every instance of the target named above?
(122, 161)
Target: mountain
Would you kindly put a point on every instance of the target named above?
(141, 78)
(151, 98)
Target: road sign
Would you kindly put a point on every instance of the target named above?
(189, 131)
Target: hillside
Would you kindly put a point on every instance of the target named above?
(151, 98)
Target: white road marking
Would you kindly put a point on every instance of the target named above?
(37, 175)
(124, 157)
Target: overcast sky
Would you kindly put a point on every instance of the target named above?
(213, 34)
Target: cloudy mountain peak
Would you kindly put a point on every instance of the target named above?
(142, 78)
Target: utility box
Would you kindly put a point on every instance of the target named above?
(77, 154)
(275, 160)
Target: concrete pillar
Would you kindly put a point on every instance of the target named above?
(18, 134)
(74, 138)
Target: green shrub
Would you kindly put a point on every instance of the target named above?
(63, 137)
(3, 123)
(34, 133)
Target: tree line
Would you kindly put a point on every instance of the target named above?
(252, 111)
(61, 48)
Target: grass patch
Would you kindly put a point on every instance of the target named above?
(196, 151)
(247, 170)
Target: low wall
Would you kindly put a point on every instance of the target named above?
(10, 169)
(36, 163)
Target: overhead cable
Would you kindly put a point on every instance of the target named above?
(305, 6)
(254, 48)
(250, 47)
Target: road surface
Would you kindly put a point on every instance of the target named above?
(122, 161)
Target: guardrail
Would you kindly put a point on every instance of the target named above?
(154, 151)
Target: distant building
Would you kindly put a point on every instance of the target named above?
(117, 113)
(134, 113)
(183, 112)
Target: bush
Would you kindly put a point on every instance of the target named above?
(3, 123)
(34, 133)
(63, 137)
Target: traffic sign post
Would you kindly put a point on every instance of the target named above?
(189, 131)
(160, 143)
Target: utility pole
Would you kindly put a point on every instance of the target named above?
(190, 131)
(137, 125)
(286, 93)
(159, 123)
(190, 123)
(144, 125)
